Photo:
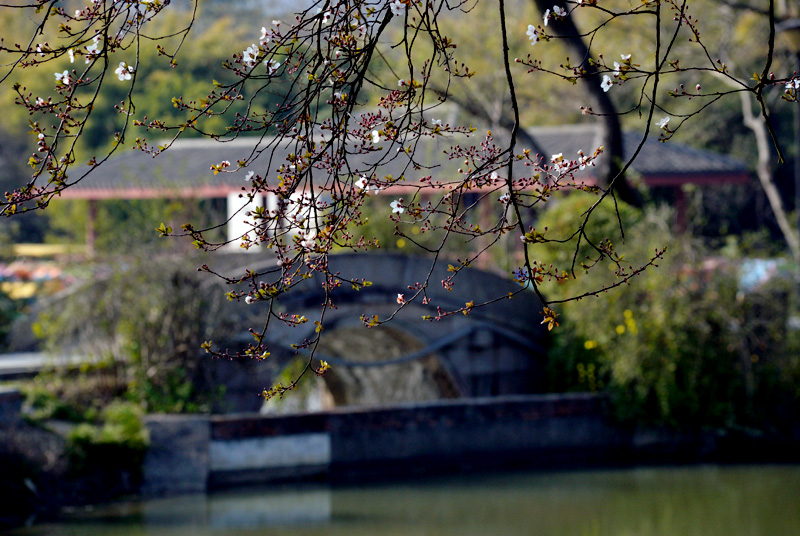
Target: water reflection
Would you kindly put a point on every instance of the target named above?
(265, 509)
(701, 501)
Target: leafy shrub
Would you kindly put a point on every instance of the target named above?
(681, 345)
(120, 440)
(44, 404)
(140, 328)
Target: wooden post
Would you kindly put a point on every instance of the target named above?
(680, 210)
(91, 228)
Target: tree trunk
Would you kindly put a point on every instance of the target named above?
(765, 174)
(611, 131)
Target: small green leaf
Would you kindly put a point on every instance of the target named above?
(163, 230)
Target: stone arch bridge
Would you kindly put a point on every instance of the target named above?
(495, 350)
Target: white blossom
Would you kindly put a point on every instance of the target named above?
(249, 299)
(582, 160)
(361, 183)
(71, 54)
(92, 50)
(308, 239)
(663, 123)
(560, 11)
(272, 66)
(264, 39)
(376, 136)
(533, 34)
(398, 8)
(124, 71)
(559, 162)
(249, 175)
(606, 84)
(63, 78)
(396, 206)
(546, 17)
(250, 55)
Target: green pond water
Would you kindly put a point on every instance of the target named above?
(664, 501)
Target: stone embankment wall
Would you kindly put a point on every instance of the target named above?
(197, 453)
(10, 406)
(194, 454)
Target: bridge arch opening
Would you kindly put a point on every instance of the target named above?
(365, 371)
(373, 383)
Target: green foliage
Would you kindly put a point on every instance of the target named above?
(574, 365)
(125, 225)
(190, 78)
(114, 436)
(45, 404)
(679, 346)
(378, 227)
(172, 392)
(122, 435)
(139, 328)
(9, 310)
(7, 232)
(564, 217)
(122, 424)
(757, 244)
(486, 91)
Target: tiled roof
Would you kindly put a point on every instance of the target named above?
(658, 163)
(185, 169)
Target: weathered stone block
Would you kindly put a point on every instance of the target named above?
(10, 406)
(178, 458)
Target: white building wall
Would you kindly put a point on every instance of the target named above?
(239, 222)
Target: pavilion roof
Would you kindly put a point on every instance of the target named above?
(659, 164)
(184, 170)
